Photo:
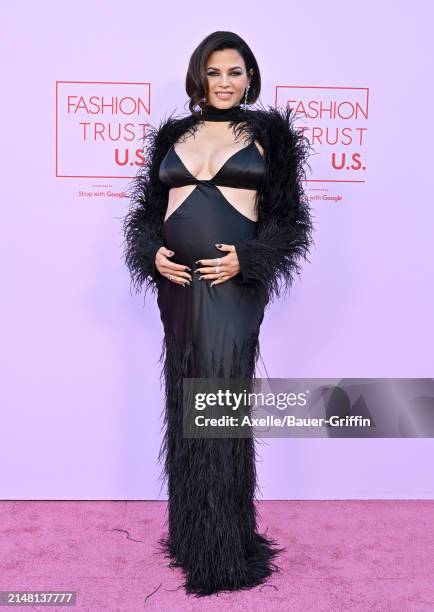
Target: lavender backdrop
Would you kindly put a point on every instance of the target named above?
(81, 399)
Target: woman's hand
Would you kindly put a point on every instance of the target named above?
(177, 272)
(229, 265)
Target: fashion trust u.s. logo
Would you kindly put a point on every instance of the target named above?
(100, 128)
(335, 121)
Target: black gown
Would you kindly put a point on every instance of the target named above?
(210, 332)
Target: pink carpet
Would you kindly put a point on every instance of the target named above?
(342, 555)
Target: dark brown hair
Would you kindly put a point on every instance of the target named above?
(196, 82)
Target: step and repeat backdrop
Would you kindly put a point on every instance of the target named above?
(82, 398)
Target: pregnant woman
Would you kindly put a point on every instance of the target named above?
(217, 226)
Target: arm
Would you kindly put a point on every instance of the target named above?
(269, 261)
(143, 223)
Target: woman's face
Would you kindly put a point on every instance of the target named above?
(226, 73)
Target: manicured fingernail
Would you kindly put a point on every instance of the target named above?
(218, 245)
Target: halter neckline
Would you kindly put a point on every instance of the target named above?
(212, 113)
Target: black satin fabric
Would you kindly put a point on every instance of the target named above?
(210, 332)
(244, 169)
(215, 316)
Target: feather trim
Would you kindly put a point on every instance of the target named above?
(284, 230)
(142, 225)
(270, 261)
(212, 517)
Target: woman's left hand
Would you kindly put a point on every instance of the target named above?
(229, 265)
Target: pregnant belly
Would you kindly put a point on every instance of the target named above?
(204, 218)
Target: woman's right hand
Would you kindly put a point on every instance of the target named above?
(165, 267)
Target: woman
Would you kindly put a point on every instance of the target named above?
(222, 192)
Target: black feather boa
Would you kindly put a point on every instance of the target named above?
(284, 230)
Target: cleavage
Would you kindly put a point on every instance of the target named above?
(224, 154)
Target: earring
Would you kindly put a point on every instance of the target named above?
(245, 96)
